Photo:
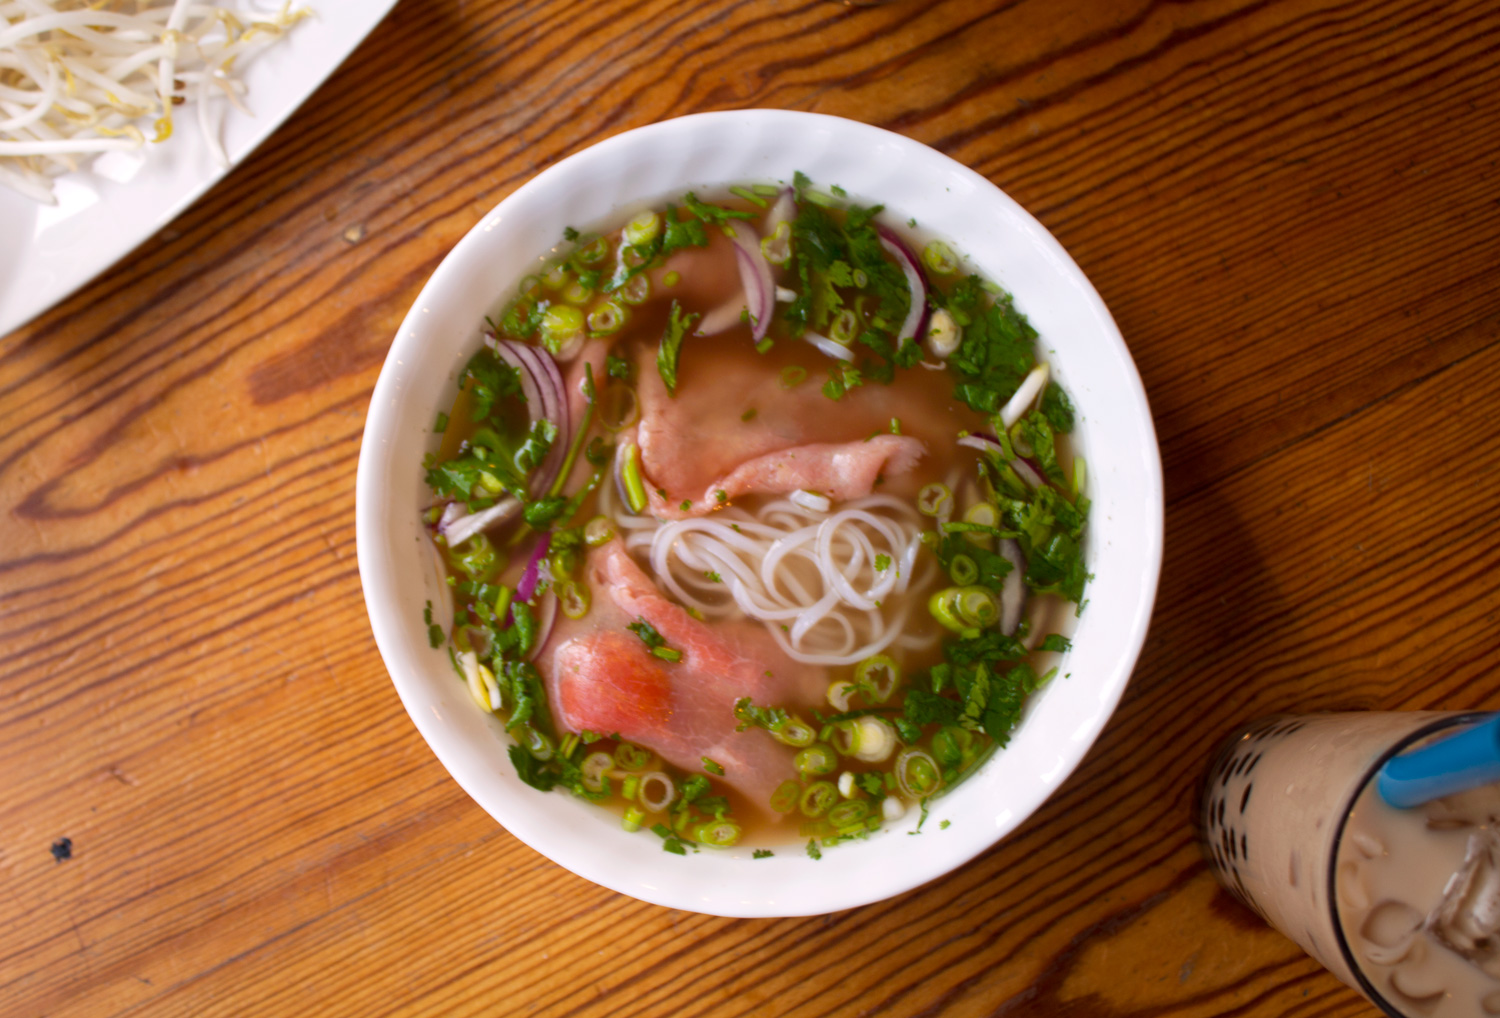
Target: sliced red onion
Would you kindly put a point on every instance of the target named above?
(1026, 470)
(1028, 473)
(755, 275)
(725, 316)
(984, 443)
(784, 211)
(1013, 592)
(462, 527)
(546, 617)
(532, 574)
(542, 385)
(1031, 386)
(828, 346)
(916, 315)
(452, 513)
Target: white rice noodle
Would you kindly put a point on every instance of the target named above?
(809, 576)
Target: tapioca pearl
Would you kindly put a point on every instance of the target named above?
(1388, 932)
(1417, 979)
(1350, 886)
(1368, 845)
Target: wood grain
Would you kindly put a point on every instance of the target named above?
(1292, 208)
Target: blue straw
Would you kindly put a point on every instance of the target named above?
(1455, 764)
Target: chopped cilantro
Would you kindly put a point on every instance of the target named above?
(748, 415)
(882, 563)
(713, 767)
(489, 380)
(617, 367)
(654, 640)
(670, 350)
(997, 349)
(812, 849)
(713, 577)
(442, 423)
(716, 214)
(569, 234)
(750, 716)
(762, 853)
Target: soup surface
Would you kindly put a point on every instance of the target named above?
(761, 526)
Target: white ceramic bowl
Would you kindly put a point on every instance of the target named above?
(1003, 242)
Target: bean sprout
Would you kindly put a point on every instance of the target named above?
(78, 79)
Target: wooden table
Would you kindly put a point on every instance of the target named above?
(1292, 208)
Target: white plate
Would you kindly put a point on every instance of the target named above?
(105, 211)
(1124, 539)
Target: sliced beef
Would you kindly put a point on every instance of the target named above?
(603, 678)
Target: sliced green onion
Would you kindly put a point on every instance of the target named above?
(594, 253)
(962, 609)
(630, 475)
(556, 277)
(560, 323)
(784, 799)
(962, 570)
(843, 737)
(766, 190)
(838, 694)
(631, 787)
(880, 675)
(978, 606)
(944, 607)
(635, 290)
(1079, 475)
(817, 798)
(981, 514)
(643, 229)
(793, 375)
(576, 293)
(951, 745)
(536, 743)
(594, 768)
(939, 258)
(657, 792)
(633, 819)
(777, 248)
(851, 811)
(671, 278)
(916, 773)
(721, 833)
(845, 327)
(607, 318)
(934, 499)
(574, 599)
(597, 531)
(874, 739)
(749, 195)
(794, 732)
(816, 760)
(630, 757)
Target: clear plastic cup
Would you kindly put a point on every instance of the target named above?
(1399, 904)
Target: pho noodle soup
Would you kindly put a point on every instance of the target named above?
(760, 525)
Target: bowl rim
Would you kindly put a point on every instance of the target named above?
(375, 477)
